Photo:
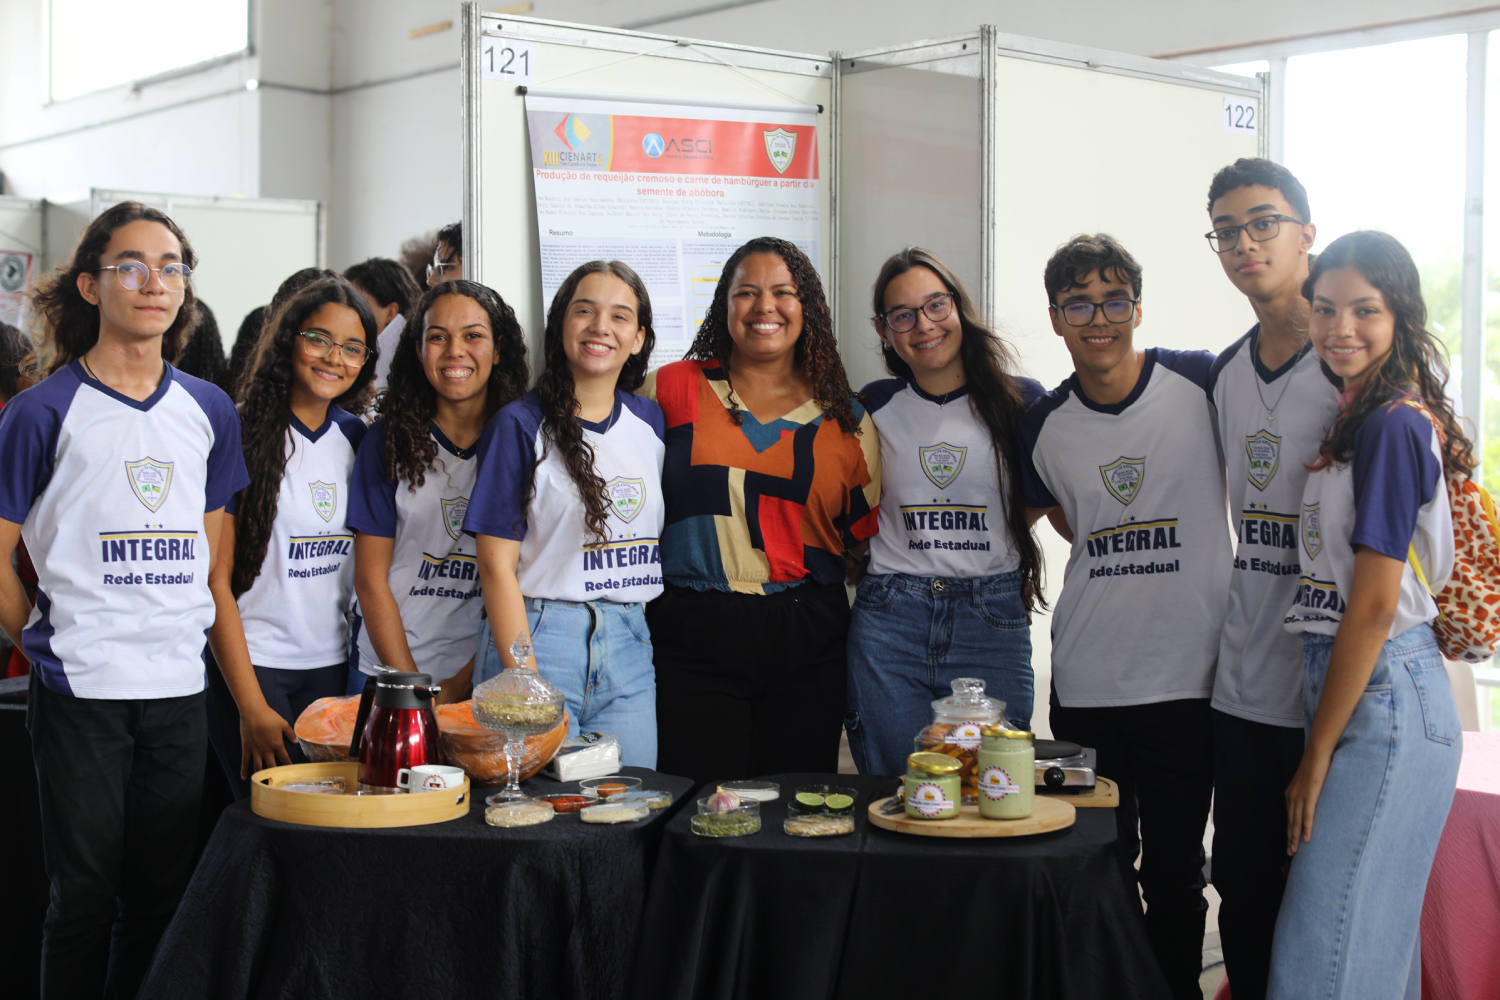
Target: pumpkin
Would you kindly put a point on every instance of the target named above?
(325, 728)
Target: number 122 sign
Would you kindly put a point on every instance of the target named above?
(1239, 115)
(506, 59)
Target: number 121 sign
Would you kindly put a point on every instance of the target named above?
(506, 59)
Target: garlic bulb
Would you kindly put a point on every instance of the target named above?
(722, 802)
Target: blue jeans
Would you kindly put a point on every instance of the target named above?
(599, 655)
(910, 636)
(1349, 922)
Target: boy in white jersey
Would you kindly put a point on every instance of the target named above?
(1274, 404)
(1126, 448)
(118, 466)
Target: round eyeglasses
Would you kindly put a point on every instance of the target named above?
(903, 319)
(134, 275)
(1266, 227)
(1082, 313)
(320, 345)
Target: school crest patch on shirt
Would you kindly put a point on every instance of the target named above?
(1312, 530)
(1123, 478)
(454, 512)
(627, 497)
(151, 480)
(942, 462)
(324, 499)
(1264, 450)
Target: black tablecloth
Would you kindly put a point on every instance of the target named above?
(883, 914)
(456, 909)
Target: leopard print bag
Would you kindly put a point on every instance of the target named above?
(1468, 624)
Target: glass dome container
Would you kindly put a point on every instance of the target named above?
(518, 702)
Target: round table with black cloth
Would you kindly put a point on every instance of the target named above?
(450, 910)
(884, 914)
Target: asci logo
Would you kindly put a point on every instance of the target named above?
(653, 145)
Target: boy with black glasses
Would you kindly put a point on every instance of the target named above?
(1125, 447)
(1274, 404)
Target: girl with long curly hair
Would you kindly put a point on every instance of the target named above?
(567, 511)
(1383, 743)
(949, 422)
(285, 575)
(772, 475)
(115, 469)
(461, 357)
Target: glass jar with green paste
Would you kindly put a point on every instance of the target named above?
(933, 786)
(1007, 773)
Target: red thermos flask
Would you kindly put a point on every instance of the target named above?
(401, 730)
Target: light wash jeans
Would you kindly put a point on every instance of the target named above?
(599, 655)
(910, 636)
(1349, 922)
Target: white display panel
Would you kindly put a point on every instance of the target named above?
(500, 211)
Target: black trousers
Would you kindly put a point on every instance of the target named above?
(1253, 764)
(288, 692)
(1162, 757)
(749, 684)
(120, 783)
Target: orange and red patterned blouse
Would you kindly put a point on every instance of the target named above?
(757, 508)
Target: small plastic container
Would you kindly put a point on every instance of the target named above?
(614, 811)
(567, 803)
(814, 825)
(760, 791)
(822, 800)
(610, 785)
(741, 822)
(519, 812)
(654, 799)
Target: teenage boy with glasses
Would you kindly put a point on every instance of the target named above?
(1125, 446)
(1274, 405)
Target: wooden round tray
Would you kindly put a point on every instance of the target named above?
(1104, 795)
(267, 799)
(1049, 814)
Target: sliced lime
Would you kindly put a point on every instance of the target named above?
(808, 801)
(839, 802)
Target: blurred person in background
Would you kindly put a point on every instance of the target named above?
(203, 354)
(448, 257)
(390, 290)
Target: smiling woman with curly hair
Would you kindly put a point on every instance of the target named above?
(772, 474)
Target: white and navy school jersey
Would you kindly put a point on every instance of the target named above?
(295, 613)
(1142, 486)
(559, 560)
(111, 492)
(434, 573)
(1390, 498)
(942, 506)
(1270, 424)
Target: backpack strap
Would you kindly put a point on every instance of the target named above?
(1416, 565)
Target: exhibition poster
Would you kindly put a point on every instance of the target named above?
(672, 191)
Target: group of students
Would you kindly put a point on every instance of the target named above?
(675, 545)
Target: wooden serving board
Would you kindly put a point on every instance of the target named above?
(1049, 814)
(267, 799)
(1104, 795)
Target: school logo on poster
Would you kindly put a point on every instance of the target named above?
(150, 480)
(1123, 478)
(1312, 530)
(325, 498)
(781, 146)
(454, 512)
(942, 463)
(1264, 449)
(626, 496)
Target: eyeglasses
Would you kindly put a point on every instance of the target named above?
(1264, 228)
(1082, 313)
(319, 345)
(903, 319)
(134, 275)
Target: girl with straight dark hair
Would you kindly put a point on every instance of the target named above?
(285, 575)
(1370, 798)
(955, 572)
(568, 509)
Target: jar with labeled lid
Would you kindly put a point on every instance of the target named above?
(932, 786)
(1007, 773)
(955, 729)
